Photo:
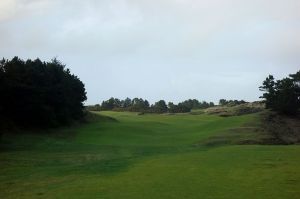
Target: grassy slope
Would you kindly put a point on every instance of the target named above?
(149, 156)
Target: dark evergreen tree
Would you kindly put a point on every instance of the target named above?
(160, 107)
(180, 108)
(39, 93)
(269, 88)
(224, 102)
(282, 95)
(126, 103)
(108, 104)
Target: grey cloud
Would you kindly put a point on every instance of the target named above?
(172, 49)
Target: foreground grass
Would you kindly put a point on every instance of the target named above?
(149, 156)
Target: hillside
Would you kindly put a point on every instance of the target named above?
(127, 155)
(242, 109)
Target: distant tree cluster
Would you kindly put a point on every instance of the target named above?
(36, 93)
(180, 108)
(95, 107)
(195, 104)
(282, 95)
(136, 104)
(224, 102)
(141, 105)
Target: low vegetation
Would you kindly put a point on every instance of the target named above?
(242, 109)
(281, 128)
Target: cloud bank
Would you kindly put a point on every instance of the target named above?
(167, 49)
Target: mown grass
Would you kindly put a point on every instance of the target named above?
(125, 155)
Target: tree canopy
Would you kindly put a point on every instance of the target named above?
(143, 105)
(39, 93)
(282, 95)
(224, 102)
(160, 107)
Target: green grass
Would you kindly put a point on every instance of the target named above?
(149, 156)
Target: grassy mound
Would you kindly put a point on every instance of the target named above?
(237, 110)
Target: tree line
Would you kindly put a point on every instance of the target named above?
(224, 102)
(38, 93)
(283, 95)
(143, 105)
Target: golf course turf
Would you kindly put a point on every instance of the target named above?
(127, 155)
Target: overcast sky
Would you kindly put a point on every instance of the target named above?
(158, 49)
